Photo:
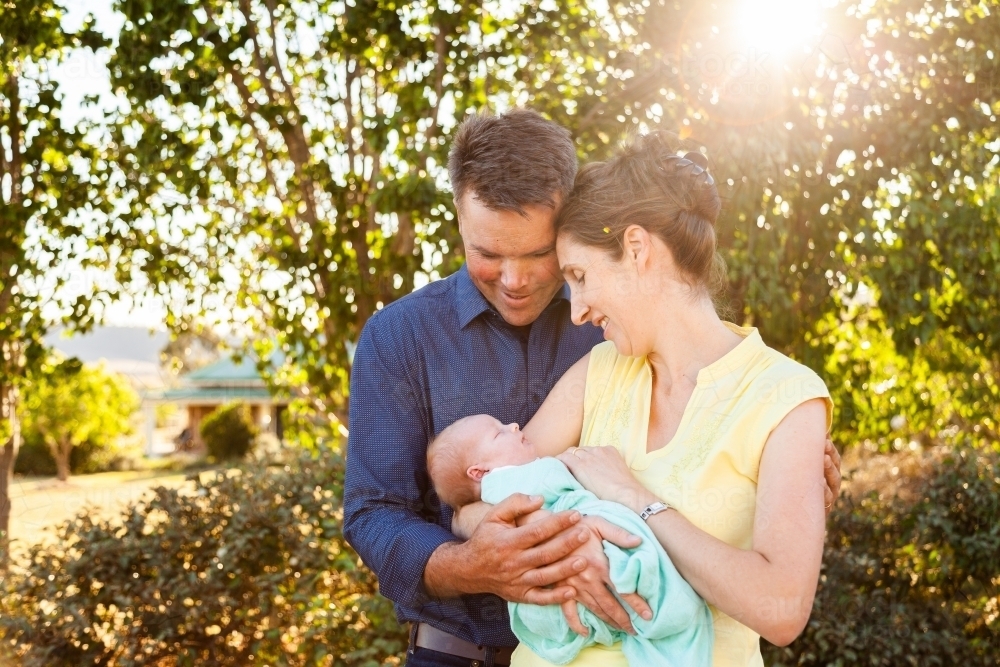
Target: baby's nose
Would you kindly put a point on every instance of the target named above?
(515, 428)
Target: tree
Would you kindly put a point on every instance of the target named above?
(857, 168)
(44, 187)
(308, 140)
(67, 404)
(58, 217)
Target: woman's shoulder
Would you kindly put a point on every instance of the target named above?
(780, 370)
(606, 363)
(782, 385)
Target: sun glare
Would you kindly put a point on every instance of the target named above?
(779, 25)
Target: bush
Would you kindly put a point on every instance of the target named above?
(250, 568)
(34, 457)
(229, 432)
(911, 578)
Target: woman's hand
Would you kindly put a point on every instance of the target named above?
(603, 472)
(593, 585)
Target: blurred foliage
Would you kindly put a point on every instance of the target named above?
(67, 404)
(912, 581)
(229, 432)
(60, 223)
(250, 565)
(35, 458)
(859, 168)
(297, 148)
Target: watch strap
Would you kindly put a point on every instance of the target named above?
(653, 508)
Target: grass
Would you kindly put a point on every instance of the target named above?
(40, 503)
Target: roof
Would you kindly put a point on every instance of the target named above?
(226, 370)
(225, 381)
(212, 396)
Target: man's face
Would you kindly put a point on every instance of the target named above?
(511, 258)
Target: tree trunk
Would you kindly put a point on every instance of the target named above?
(61, 454)
(10, 425)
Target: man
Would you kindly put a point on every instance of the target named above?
(493, 338)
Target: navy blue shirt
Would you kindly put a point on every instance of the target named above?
(423, 362)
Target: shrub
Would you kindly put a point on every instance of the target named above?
(911, 579)
(249, 568)
(35, 458)
(229, 432)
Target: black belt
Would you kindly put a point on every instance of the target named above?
(429, 637)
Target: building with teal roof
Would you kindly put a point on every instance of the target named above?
(229, 380)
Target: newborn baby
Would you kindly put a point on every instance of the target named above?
(480, 458)
(459, 458)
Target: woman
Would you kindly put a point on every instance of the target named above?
(682, 408)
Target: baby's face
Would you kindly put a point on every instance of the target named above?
(494, 445)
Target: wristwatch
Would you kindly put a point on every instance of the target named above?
(654, 508)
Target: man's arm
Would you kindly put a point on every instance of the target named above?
(388, 516)
(385, 488)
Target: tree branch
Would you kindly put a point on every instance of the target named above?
(14, 94)
(440, 46)
(271, 9)
(257, 56)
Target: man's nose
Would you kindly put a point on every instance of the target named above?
(513, 276)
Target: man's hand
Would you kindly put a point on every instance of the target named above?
(831, 474)
(593, 585)
(516, 563)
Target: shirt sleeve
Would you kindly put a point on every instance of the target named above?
(786, 390)
(388, 510)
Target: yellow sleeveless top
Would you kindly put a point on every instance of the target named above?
(708, 472)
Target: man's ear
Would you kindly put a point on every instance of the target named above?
(476, 472)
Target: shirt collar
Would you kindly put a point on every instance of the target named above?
(471, 303)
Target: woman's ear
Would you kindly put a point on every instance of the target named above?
(476, 472)
(636, 242)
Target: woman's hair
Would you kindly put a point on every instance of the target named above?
(648, 184)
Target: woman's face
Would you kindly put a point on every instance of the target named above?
(607, 293)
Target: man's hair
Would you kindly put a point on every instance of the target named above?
(446, 465)
(513, 160)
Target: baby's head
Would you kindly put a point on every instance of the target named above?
(459, 457)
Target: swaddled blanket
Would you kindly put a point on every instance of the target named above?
(680, 632)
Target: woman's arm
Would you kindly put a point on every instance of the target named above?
(559, 421)
(769, 588)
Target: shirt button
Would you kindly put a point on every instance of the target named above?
(535, 396)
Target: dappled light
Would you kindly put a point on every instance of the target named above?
(257, 180)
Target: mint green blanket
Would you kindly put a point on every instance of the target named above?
(680, 632)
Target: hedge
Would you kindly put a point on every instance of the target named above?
(911, 578)
(250, 568)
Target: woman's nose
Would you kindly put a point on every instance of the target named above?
(578, 310)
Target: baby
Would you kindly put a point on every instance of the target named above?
(479, 458)
(463, 453)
